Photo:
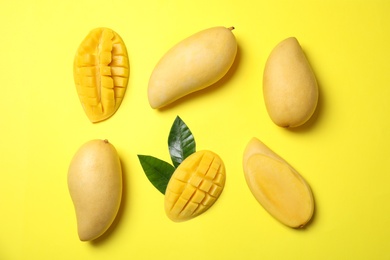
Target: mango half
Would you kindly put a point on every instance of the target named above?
(191, 65)
(195, 186)
(278, 187)
(101, 73)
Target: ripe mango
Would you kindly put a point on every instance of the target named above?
(289, 85)
(95, 186)
(194, 186)
(277, 186)
(191, 65)
(101, 73)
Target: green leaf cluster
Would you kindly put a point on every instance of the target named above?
(181, 144)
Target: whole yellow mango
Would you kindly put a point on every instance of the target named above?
(95, 186)
(278, 187)
(191, 65)
(289, 85)
(194, 186)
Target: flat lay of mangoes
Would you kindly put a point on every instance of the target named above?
(195, 179)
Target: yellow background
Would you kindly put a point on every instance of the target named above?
(343, 152)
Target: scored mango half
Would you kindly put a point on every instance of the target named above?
(101, 73)
(194, 186)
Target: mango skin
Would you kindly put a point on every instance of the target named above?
(95, 186)
(290, 87)
(277, 186)
(191, 65)
(195, 186)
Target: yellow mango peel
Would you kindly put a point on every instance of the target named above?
(290, 87)
(193, 64)
(95, 186)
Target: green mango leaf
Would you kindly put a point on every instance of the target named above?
(158, 171)
(181, 142)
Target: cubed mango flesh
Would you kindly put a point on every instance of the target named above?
(194, 186)
(101, 73)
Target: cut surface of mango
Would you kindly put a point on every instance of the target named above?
(278, 187)
(101, 73)
(194, 186)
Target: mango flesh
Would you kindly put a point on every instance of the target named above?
(289, 85)
(279, 188)
(193, 64)
(101, 73)
(194, 186)
(95, 186)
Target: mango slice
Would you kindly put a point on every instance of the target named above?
(194, 186)
(289, 85)
(101, 73)
(191, 65)
(278, 187)
(95, 186)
